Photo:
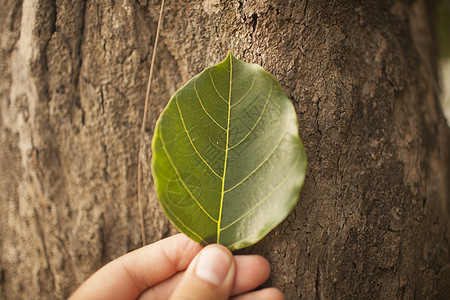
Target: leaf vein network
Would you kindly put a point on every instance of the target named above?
(267, 197)
(181, 179)
(204, 109)
(257, 121)
(215, 88)
(192, 143)
(182, 223)
(262, 163)
(246, 94)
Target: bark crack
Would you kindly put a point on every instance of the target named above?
(79, 58)
(102, 100)
(317, 283)
(105, 168)
(44, 246)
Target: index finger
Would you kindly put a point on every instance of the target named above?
(129, 275)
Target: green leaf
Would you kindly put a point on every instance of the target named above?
(227, 161)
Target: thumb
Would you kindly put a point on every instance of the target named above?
(209, 276)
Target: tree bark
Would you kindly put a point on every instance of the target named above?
(372, 221)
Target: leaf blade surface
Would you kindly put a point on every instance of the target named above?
(227, 160)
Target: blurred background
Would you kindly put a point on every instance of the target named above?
(444, 51)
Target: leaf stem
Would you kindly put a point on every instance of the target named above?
(144, 118)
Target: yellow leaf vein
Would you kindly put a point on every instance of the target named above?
(215, 88)
(248, 92)
(262, 163)
(256, 123)
(181, 179)
(192, 143)
(204, 109)
(267, 197)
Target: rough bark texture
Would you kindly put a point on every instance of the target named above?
(373, 217)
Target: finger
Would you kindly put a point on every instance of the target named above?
(265, 294)
(209, 276)
(162, 290)
(251, 272)
(129, 275)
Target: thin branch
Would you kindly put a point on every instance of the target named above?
(144, 118)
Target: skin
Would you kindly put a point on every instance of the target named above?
(168, 270)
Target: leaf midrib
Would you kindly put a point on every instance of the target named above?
(226, 153)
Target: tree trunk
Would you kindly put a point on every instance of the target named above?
(372, 221)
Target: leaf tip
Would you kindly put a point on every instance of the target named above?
(230, 55)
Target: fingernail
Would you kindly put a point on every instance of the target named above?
(213, 265)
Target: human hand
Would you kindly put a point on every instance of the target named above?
(177, 268)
